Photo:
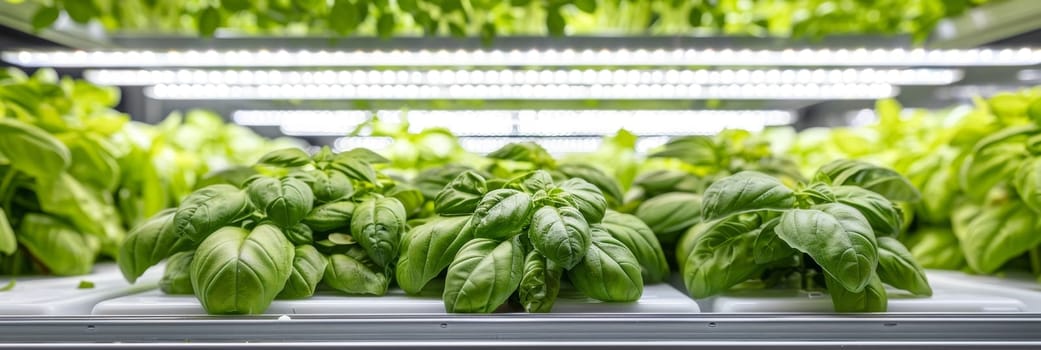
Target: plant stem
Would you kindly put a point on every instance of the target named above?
(1035, 260)
(5, 192)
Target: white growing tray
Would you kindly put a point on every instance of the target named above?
(660, 298)
(60, 296)
(1019, 286)
(798, 301)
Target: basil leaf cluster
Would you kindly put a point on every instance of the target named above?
(523, 237)
(300, 222)
(845, 222)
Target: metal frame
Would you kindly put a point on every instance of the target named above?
(525, 330)
(987, 24)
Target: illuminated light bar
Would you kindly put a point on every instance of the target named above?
(522, 122)
(482, 145)
(530, 57)
(505, 77)
(522, 92)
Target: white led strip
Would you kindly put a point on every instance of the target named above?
(532, 57)
(542, 123)
(495, 77)
(482, 145)
(522, 92)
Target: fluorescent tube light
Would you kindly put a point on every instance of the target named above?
(482, 145)
(533, 57)
(522, 92)
(542, 123)
(143, 77)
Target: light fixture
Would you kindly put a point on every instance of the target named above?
(144, 77)
(482, 145)
(532, 57)
(541, 123)
(521, 92)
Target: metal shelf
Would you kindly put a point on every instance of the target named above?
(522, 331)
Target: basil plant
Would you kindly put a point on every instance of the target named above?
(524, 237)
(297, 222)
(839, 229)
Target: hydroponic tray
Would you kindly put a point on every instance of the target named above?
(660, 298)
(1019, 286)
(62, 296)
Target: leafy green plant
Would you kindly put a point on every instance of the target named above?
(487, 19)
(669, 195)
(521, 236)
(754, 226)
(239, 247)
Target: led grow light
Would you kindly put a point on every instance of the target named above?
(531, 57)
(482, 145)
(521, 92)
(142, 77)
(542, 123)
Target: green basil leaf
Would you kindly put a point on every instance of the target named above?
(483, 275)
(429, 248)
(431, 181)
(308, 269)
(285, 202)
(8, 242)
(330, 216)
(560, 234)
(355, 273)
(330, 186)
(883, 215)
(540, 283)
(81, 11)
(44, 17)
(768, 247)
(1027, 182)
(502, 214)
(355, 169)
(936, 248)
(698, 150)
(344, 17)
(209, 20)
(670, 214)
(236, 5)
(56, 245)
(608, 270)
(208, 209)
(300, 234)
(524, 152)
(460, 197)
(897, 268)
(85, 207)
(663, 181)
(870, 299)
(149, 243)
(610, 188)
(555, 23)
(994, 160)
(177, 277)
(640, 240)
(881, 180)
(586, 198)
(378, 224)
(744, 192)
(531, 182)
(722, 256)
(362, 154)
(32, 150)
(998, 234)
(837, 237)
(286, 158)
(236, 271)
